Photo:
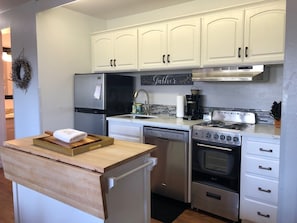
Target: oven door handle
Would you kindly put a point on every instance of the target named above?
(215, 147)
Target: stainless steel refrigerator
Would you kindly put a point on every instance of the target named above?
(97, 96)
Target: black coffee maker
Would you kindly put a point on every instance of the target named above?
(194, 106)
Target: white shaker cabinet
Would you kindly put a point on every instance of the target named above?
(127, 131)
(264, 36)
(222, 35)
(259, 179)
(175, 44)
(250, 36)
(115, 51)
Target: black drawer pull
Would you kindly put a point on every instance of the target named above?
(212, 195)
(264, 168)
(246, 51)
(239, 52)
(164, 58)
(114, 63)
(168, 58)
(263, 190)
(111, 62)
(263, 215)
(266, 150)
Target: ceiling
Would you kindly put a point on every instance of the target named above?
(109, 9)
(9, 4)
(104, 9)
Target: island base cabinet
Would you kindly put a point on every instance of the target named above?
(32, 206)
(125, 189)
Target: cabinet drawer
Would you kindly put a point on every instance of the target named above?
(260, 189)
(263, 167)
(126, 138)
(215, 200)
(263, 149)
(126, 130)
(254, 211)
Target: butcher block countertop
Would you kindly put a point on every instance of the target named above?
(79, 180)
(99, 160)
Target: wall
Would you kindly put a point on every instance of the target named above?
(188, 8)
(255, 95)
(248, 95)
(22, 22)
(63, 49)
(288, 152)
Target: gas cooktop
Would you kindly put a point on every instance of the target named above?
(224, 127)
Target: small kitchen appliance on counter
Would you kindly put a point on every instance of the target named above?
(194, 108)
(97, 96)
(216, 155)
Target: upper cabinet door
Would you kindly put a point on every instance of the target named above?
(222, 36)
(115, 51)
(152, 46)
(183, 46)
(265, 33)
(169, 45)
(102, 51)
(125, 50)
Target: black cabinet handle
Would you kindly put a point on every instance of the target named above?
(239, 52)
(266, 150)
(264, 190)
(265, 168)
(246, 51)
(263, 215)
(164, 58)
(168, 58)
(214, 196)
(110, 62)
(114, 63)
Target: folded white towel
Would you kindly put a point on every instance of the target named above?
(69, 135)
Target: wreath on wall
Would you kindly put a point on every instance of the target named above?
(21, 72)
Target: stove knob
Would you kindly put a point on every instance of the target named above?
(235, 139)
(216, 136)
(229, 138)
(222, 137)
(208, 135)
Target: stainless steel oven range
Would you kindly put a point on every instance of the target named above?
(216, 152)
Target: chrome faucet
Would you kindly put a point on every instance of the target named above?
(146, 103)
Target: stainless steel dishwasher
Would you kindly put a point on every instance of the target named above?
(170, 176)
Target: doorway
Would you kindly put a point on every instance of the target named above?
(7, 83)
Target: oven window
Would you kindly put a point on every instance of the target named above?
(218, 162)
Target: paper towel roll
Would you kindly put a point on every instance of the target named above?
(180, 106)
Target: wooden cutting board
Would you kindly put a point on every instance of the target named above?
(91, 142)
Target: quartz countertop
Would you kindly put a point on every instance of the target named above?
(262, 130)
(159, 121)
(181, 124)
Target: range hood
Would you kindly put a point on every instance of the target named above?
(231, 73)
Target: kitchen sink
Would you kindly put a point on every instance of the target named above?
(138, 116)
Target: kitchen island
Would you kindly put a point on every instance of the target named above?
(110, 184)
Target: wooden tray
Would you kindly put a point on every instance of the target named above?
(91, 142)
